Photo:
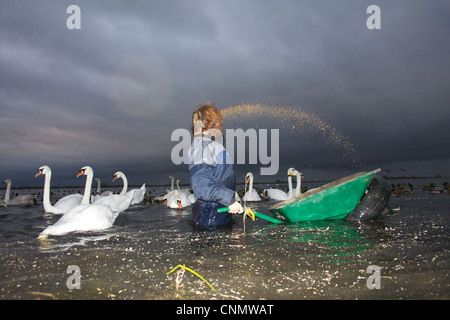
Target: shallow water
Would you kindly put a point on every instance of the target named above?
(310, 260)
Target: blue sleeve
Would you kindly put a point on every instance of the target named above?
(204, 187)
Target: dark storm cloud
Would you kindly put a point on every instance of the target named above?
(110, 95)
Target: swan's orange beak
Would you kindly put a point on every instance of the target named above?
(179, 204)
(114, 179)
(38, 173)
(248, 179)
(80, 173)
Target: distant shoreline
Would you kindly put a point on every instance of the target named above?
(238, 183)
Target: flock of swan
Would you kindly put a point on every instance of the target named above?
(97, 212)
(80, 212)
(181, 198)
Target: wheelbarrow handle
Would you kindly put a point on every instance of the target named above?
(257, 214)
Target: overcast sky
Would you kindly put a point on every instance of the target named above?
(110, 94)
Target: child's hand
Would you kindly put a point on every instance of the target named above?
(235, 208)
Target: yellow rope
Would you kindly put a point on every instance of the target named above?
(192, 271)
(248, 212)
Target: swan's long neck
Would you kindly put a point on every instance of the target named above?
(177, 193)
(47, 204)
(250, 186)
(98, 186)
(299, 184)
(291, 193)
(125, 184)
(8, 191)
(87, 189)
(171, 185)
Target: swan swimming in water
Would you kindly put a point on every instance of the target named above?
(136, 195)
(117, 202)
(19, 200)
(64, 204)
(177, 198)
(295, 192)
(277, 194)
(84, 217)
(251, 194)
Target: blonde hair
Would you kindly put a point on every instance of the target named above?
(206, 117)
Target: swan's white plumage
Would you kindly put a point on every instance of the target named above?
(173, 199)
(85, 217)
(177, 198)
(66, 203)
(136, 195)
(276, 194)
(117, 202)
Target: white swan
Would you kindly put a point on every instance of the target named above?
(136, 195)
(277, 194)
(117, 202)
(18, 200)
(177, 198)
(188, 191)
(295, 192)
(64, 204)
(84, 217)
(251, 194)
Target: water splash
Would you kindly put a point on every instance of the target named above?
(309, 125)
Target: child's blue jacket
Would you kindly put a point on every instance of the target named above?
(211, 171)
